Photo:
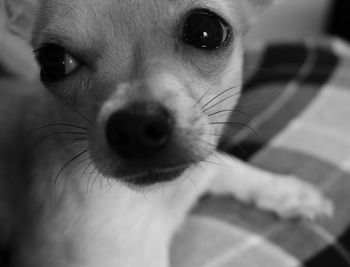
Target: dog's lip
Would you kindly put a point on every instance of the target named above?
(156, 175)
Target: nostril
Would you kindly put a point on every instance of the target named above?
(139, 131)
(119, 133)
(120, 137)
(156, 133)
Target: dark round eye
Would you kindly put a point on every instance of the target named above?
(55, 62)
(205, 30)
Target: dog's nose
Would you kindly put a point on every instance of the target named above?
(139, 131)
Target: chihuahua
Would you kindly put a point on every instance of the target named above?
(100, 166)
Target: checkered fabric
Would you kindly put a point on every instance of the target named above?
(298, 101)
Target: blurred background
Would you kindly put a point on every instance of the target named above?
(299, 19)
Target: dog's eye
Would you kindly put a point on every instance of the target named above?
(205, 30)
(55, 62)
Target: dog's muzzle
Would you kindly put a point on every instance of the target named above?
(140, 134)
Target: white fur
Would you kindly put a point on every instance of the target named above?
(84, 217)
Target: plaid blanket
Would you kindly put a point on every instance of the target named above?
(298, 101)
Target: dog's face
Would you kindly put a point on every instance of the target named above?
(156, 79)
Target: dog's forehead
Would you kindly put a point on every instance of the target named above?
(119, 12)
(88, 18)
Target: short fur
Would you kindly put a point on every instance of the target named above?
(65, 198)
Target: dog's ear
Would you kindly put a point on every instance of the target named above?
(17, 19)
(19, 16)
(252, 8)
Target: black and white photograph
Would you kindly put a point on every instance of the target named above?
(174, 133)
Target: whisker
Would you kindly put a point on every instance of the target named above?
(231, 110)
(76, 140)
(58, 124)
(221, 101)
(85, 160)
(72, 144)
(43, 138)
(232, 145)
(89, 164)
(206, 142)
(96, 175)
(237, 124)
(218, 95)
(204, 95)
(68, 133)
(212, 162)
(67, 164)
(220, 135)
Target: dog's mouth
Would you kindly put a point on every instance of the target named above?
(154, 176)
(145, 143)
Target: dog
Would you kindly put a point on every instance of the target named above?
(101, 165)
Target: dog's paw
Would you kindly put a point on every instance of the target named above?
(291, 197)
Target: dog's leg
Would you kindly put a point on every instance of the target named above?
(284, 195)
